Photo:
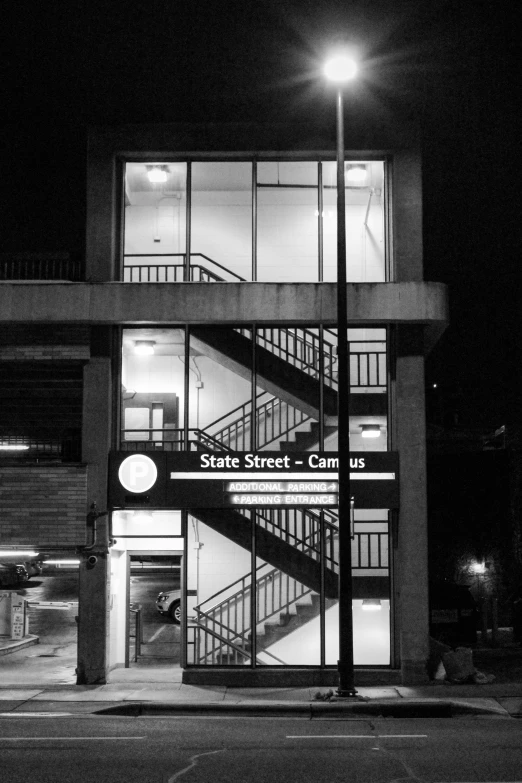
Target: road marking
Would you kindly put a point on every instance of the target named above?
(71, 739)
(156, 634)
(36, 714)
(354, 736)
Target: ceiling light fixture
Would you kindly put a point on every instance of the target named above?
(371, 430)
(17, 553)
(356, 173)
(13, 446)
(157, 174)
(371, 604)
(144, 347)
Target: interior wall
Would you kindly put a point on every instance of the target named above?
(118, 606)
(371, 638)
(215, 563)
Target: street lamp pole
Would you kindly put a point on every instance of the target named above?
(340, 70)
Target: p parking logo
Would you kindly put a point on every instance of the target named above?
(137, 473)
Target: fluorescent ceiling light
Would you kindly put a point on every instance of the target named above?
(61, 562)
(144, 347)
(371, 431)
(371, 604)
(17, 553)
(13, 446)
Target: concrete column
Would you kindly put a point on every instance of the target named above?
(93, 623)
(412, 553)
(407, 216)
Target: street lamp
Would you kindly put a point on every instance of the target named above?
(341, 69)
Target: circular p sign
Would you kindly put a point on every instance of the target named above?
(137, 473)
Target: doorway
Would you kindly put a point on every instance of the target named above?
(154, 622)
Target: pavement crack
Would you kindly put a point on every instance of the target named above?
(193, 763)
(410, 774)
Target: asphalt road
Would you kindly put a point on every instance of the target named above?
(70, 749)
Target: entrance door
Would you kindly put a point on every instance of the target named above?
(154, 623)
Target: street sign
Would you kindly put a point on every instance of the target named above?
(264, 479)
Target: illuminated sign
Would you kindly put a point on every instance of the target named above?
(137, 473)
(191, 480)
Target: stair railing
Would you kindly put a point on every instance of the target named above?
(174, 273)
(274, 419)
(276, 591)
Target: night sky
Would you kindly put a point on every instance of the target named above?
(452, 65)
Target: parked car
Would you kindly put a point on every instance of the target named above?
(12, 574)
(169, 603)
(34, 568)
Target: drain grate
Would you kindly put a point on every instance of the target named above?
(47, 655)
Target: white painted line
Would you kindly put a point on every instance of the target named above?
(250, 476)
(156, 634)
(36, 714)
(64, 739)
(354, 736)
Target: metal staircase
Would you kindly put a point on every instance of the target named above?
(222, 630)
(296, 369)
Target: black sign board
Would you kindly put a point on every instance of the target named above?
(245, 479)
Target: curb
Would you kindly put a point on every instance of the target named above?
(13, 646)
(405, 709)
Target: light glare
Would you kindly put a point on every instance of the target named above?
(340, 68)
(157, 174)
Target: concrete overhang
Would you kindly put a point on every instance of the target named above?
(287, 304)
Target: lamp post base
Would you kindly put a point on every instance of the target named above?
(346, 688)
(346, 693)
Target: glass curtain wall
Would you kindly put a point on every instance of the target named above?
(263, 583)
(287, 221)
(153, 389)
(221, 221)
(155, 240)
(287, 232)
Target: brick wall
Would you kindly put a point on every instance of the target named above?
(43, 505)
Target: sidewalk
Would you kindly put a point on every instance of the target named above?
(24, 688)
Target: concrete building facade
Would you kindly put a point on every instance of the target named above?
(190, 399)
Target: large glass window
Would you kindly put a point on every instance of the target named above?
(221, 221)
(220, 389)
(262, 583)
(365, 235)
(155, 222)
(287, 222)
(288, 233)
(153, 389)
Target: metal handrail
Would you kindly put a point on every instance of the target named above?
(138, 630)
(298, 591)
(183, 256)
